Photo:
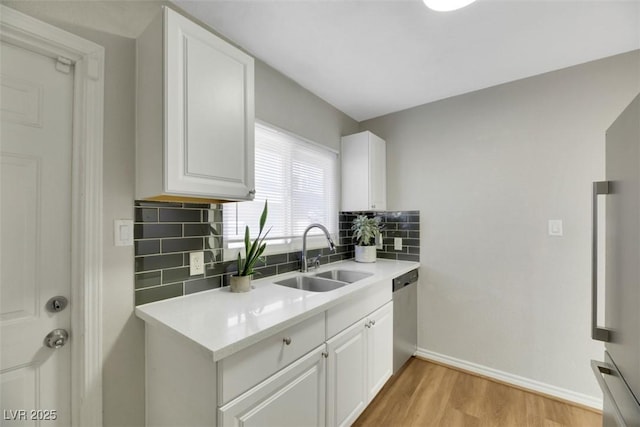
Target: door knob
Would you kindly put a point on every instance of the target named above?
(56, 338)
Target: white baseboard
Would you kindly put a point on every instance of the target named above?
(525, 383)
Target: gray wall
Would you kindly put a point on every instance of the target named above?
(279, 100)
(487, 170)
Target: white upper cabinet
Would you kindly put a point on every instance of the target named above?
(195, 114)
(364, 172)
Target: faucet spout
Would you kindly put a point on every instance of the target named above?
(332, 246)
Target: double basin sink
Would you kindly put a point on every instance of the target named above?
(325, 281)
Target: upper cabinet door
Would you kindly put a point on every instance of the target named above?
(207, 123)
(364, 172)
(378, 173)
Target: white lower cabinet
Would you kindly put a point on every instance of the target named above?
(359, 364)
(293, 397)
(379, 349)
(346, 376)
(322, 371)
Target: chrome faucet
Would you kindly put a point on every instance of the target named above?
(332, 246)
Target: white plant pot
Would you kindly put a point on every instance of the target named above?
(365, 253)
(240, 283)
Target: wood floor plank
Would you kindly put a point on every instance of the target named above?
(429, 394)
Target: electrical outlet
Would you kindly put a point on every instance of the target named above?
(397, 243)
(196, 263)
(379, 241)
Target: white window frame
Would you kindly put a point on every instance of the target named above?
(294, 243)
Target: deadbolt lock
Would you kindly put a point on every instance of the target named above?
(57, 304)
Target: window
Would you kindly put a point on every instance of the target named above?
(299, 179)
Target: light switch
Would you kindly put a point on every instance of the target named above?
(123, 232)
(555, 227)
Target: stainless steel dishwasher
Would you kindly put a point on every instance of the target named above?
(405, 318)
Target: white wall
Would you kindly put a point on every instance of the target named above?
(114, 25)
(487, 170)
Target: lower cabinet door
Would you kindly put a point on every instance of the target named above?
(346, 375)
(294, 396)
(380, 349)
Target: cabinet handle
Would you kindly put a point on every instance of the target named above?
(373, 323)
(325, 354)
(367, 325)
(286, 340)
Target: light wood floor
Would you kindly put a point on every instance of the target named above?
(428, 394)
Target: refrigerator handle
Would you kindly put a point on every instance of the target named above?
(600, 334)
(600, 369)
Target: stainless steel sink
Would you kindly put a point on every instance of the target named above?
(311, 283)
(347, 276)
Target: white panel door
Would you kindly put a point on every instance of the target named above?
(293, 397)
(35, 255)
(380, 349)
(346, 376)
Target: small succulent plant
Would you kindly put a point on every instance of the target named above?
(253, 251)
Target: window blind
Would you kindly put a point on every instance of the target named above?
(300, 181)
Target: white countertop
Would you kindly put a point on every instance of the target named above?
(223, 322)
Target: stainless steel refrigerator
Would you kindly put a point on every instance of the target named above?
(619, 373)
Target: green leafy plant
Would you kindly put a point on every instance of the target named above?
(365, 230)
(253, 250)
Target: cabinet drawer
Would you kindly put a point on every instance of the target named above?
(295, 396)
(355, 308)
(243, 370)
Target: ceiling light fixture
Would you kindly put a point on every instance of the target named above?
(446, 5)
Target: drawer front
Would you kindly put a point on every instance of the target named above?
(355, 308)
(295, 396)
(243, 370)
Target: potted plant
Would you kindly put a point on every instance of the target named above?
(365, 231)
(253, 251)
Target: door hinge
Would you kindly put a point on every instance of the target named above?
(64, 64)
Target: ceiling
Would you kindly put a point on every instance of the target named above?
(373, 57)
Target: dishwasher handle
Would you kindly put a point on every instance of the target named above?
(405, 280)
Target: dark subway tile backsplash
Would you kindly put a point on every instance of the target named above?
(180, 215)
(158, 262)
(150, 231)
(395, 224)
(165, 234)
(182, 245)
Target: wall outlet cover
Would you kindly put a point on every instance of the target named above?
(397, 243)
(196, 263)
(379, 241)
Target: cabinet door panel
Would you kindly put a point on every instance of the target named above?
(209, 115)
(214, 101)
(378, 173)
(364, 172)
(293, 397)
(346, 376)
(380, 349)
